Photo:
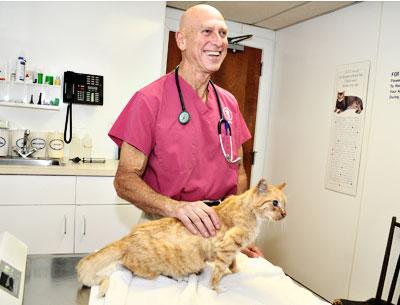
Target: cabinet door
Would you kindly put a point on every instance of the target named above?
(98, 225)
(96, 190)
(45, 229)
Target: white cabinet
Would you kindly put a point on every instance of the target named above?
(101, 216)
(64, 214)
(98, 225)
(39, 210)
(45, 228)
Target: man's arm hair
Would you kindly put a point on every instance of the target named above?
(130, 186)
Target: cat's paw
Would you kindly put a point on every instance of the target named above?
(103, 287)
(220, 289)
(234, 269)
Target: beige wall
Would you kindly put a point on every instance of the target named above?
(333, 242)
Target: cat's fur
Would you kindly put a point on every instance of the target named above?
(165, 246)
(344, 102)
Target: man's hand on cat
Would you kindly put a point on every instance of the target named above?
(252, 251)
(197, 217)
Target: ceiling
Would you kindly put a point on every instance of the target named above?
(273, 15)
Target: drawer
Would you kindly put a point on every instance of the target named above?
(96, 190)
(32, 189)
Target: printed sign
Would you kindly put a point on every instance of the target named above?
(348, 112)
(394, 87)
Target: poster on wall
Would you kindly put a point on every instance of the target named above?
(394, 87)
(348, 115)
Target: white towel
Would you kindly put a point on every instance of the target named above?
(258, 282)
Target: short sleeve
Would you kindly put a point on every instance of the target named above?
(135, 125)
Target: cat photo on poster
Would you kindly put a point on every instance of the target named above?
(346, 102)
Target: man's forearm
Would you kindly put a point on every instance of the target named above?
(132, 188)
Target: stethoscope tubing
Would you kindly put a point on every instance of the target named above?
(221, 121)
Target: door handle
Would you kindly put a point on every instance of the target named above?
(253, 156)
(65, 225)
(84, 225)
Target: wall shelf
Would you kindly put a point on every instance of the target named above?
(18, 94)
(33, 106)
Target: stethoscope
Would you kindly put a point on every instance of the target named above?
(184, 118)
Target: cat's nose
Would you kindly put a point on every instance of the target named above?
(283, 213)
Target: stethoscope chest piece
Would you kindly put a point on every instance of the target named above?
(184, 117)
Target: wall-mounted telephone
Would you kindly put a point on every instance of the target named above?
(79, 88)
(86, 89)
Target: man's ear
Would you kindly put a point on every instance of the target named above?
(262, 186)
(180, 40)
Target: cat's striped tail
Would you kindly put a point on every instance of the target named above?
(94, 268)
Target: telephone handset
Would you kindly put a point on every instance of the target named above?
(69, 87)
(79, 88)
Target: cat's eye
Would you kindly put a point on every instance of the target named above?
(275, 203)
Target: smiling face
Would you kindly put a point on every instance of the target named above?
(202, 38)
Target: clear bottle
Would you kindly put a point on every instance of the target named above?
(20, 69)
(75, 147)
(87, 146)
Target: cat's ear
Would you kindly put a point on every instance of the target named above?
(281, 186)
(262, 186)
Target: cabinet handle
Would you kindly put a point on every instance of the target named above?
(65, 225)
(84, 225)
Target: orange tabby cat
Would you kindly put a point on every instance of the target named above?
(165, 247)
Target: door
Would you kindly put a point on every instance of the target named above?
(98, 225)
(240, 75)
(45, 229)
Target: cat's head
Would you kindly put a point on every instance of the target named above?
(270, 201)
(340, 95)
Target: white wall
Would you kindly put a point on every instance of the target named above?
(332, 242)
(381, 187)
(120, 40)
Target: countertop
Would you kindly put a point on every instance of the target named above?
(67, 168)
(51, 279)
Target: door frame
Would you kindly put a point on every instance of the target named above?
(262, 39)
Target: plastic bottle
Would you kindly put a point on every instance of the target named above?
(75, 149)
(87, 146)
(20, 70)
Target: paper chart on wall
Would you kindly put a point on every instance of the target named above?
(394, 87)
(348, 116)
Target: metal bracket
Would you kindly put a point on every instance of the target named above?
(233, 42)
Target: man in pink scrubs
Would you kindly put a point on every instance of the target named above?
(168, 168)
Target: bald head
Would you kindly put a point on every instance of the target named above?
(202, 39)
(196, 14)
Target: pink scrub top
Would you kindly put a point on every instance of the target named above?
(185, 162)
